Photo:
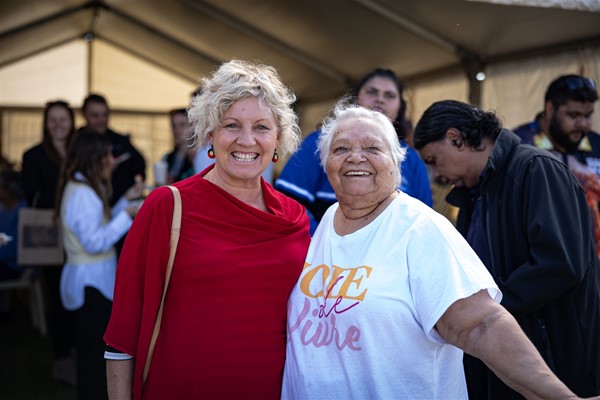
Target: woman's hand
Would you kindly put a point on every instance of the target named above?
(133, 208)
(137, 190)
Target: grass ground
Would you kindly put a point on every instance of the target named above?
(26, 360)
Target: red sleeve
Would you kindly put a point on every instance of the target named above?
(140, 276)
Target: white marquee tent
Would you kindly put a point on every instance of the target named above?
(146, 56)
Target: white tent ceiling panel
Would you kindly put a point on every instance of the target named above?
(419, 97)
(59, 73)
(223, 40)
(496, 30)
(41, 37)
(584, 5)
(131, 83)
(342, 34)
(184, 24)
(180, 60)
(16, 14)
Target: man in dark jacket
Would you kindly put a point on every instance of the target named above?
(129, 161)
(565, 129)
(526, 216)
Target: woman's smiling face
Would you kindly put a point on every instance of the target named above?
(360, 162)
(59, 123)
(244, 141)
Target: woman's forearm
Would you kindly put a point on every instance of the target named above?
(484, 329)
(119, 376)
(507, 351)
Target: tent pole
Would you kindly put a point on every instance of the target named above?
(89, 38)
(473, 65)
(89, 67)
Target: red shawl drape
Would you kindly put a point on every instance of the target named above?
(223, 328)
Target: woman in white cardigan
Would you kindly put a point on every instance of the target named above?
(90, 230)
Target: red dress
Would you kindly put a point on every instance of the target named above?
(223, 327)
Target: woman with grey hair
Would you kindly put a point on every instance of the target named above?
(391, 292)
(241, 249)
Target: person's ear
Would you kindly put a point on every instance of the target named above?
(453, 135)
(549, 110)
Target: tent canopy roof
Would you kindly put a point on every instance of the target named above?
(319, 47)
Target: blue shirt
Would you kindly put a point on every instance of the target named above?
(9, 224)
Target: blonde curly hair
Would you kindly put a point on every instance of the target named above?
(237, 80)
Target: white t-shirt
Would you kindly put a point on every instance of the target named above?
(361, 317)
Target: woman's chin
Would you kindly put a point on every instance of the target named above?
(354, 196)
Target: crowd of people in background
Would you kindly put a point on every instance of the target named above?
(335, 278)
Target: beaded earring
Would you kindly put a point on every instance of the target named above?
(211, 153)
(275, 157)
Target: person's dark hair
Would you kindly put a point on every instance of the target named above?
(93, 98)
(47, 143)
(87, 155)
(473, 124)
(10, 182)
(571, 87)
(178, 111)
(5, 164)
(387, 74)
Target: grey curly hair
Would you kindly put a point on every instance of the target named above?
(237, 80)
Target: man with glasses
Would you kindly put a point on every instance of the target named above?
(565, 129)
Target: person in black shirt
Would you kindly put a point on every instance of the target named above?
(129, 162)
(180, 160)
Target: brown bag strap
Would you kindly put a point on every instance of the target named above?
(175, 228)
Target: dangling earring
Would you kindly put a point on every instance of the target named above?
(275, 157)
(211, 153)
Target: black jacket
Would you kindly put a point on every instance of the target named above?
(40, 175)
(540, 250)
(179, 170)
